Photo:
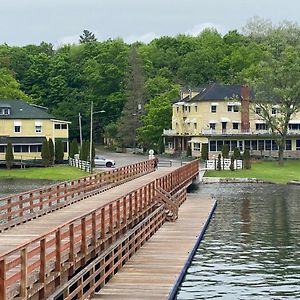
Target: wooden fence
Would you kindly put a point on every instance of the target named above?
(25, 206)
(42, 265)
(80, 164)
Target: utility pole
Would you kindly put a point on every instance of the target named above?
(91, 138)
(80, 129)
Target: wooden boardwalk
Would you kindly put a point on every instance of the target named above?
(153, 270)
(12, 238)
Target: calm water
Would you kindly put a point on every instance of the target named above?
(14, 186)
(251, 249)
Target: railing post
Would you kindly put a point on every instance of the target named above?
(9, 209)
(21, 206)
(23, 282)
(3, 278)
(42, 274)
(94, 237)
(72, 249)
(83, 239)
(111, 219)
(58, 256)
(31, 202)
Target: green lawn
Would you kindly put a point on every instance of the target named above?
(60, 172)
(268, 171)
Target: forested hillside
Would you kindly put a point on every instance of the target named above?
(139, 80)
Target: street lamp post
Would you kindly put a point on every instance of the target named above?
(91, 134)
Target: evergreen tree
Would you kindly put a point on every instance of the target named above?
(231, 167)
(84, 153)
(204, 151)
(87, 37)
(246, 158)
(51, 151)
(225, 151)
(219, 164)
(45, 153)
(236, 153)
(134, 107)
(59, 151)
(73, 148)
(9, 156)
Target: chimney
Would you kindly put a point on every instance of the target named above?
(245, 93)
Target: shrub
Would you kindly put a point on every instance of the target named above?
(236, 153)
(45, 153)
(51, 152)
(219, 166)
(59, 151)
(189, 151)
(246, 158)
(9, 156)
(84, 152)
(204, 151)
(225, 151)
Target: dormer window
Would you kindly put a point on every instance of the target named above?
(5, 111)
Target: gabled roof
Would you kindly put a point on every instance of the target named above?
(219, 92)
(22, 110)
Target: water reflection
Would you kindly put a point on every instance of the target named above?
(252, 247)
(15, 186)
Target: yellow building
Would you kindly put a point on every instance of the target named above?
(223, 114)
(26, 126)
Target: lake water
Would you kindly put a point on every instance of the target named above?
(251, 249)
(14, 186)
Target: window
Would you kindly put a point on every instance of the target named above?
(233, 145)
(297, 145)
(60, 126)
(274, 145)
(21, 148)
(196, 108)
(235, 125)
(196, 146)
(261, 145)
(294, 126)
(212, 146)
(254, 145)
(268, 144)
(219, 145)
(274, 111)
(213, 108)
(233, 108)
(189, 108)
(258, 110)
(2, 149)
(288, 145)
(65, 144)
(4, 111)
(38, 128)
(262, 126)
(177, 109)
(17, 128)
(56, 126)
(212, 126)
(247, 144)
(195, 125)
(35, 148)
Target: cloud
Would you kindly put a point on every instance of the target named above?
(144, 38)
(194, 31)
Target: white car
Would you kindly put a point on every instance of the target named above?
(104, 162)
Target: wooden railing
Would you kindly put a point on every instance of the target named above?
(25, 206)
(41, 265)
(96, 274)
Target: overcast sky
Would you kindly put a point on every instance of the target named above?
(25, 22)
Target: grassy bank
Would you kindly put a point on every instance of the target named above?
(59, 172)
(268, 171)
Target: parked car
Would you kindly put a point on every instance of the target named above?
(104, 162)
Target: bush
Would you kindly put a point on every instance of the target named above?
(51, 152)
(236, 153)
(45, 153)
(189, 151)
(225, 151)
(246, 159)
(219, 166)
(204, 151)
(59, 151)
(9, 156)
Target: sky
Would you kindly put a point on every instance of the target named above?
(59, 22)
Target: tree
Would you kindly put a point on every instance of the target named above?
(59, 151)
(225, 151)
(9, 156)
(219, 163)
(87, 37)
(73, 148)
(134, 106)
(51, 151)
(204, 151)
(84, 151)
(277, 90)
(246, 159)
(236, 153)
(45, 153)
(232, 159)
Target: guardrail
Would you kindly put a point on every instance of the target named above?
(25, 206)
(41, 265)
